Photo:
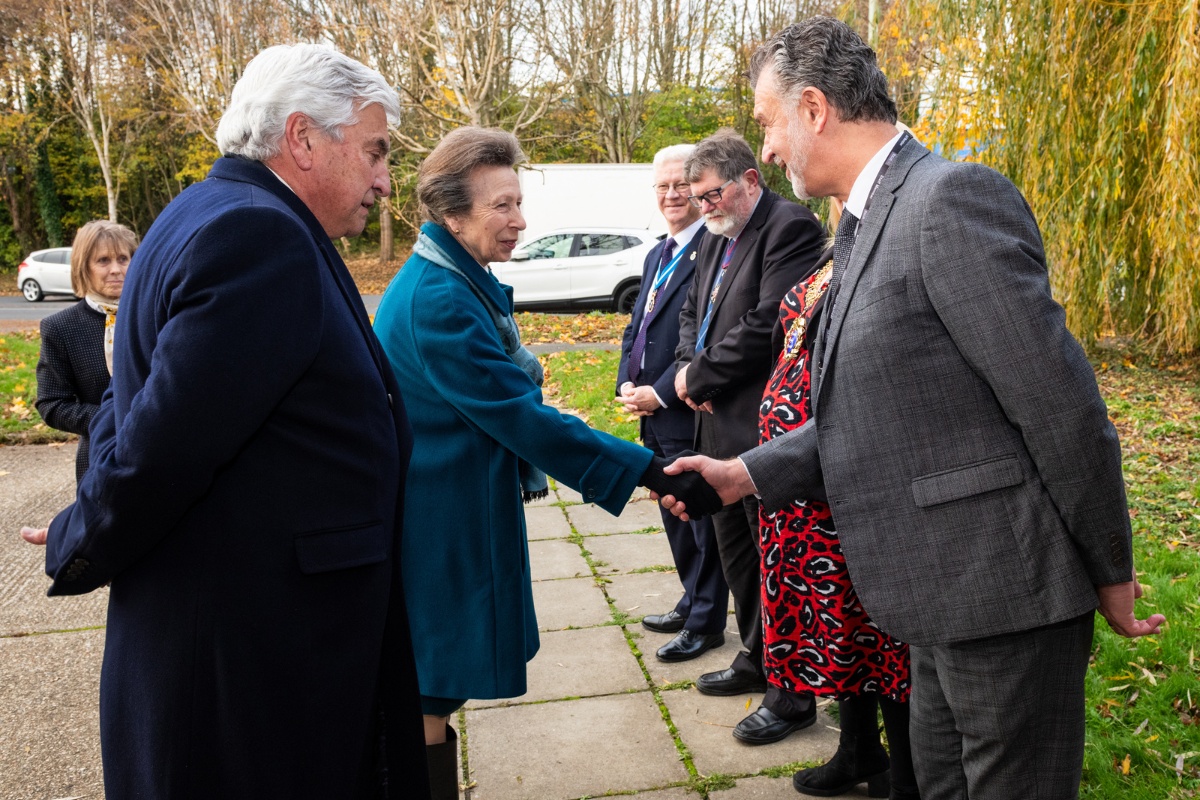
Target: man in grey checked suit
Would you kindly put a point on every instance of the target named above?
(973, 473)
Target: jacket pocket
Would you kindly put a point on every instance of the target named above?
(955, 484)
(342, 548)
(884, 290)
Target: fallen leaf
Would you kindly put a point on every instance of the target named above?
(1125, 764)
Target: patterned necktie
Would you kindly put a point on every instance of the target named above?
(639, 341)
(712, 296)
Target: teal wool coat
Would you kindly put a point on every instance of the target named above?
(474, 414)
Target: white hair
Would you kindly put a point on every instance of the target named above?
(675, 152)
(326, 86)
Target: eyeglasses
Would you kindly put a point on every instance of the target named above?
(713, 196)
(680, 188)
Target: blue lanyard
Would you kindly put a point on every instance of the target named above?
(662, 276)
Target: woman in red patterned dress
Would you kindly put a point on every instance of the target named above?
(817, 638)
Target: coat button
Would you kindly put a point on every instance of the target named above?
(390, 403)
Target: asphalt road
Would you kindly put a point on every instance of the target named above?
(18, 309)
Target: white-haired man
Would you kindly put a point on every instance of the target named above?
(246, 469)
(646, 388)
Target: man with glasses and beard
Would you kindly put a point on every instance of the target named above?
(760, 245)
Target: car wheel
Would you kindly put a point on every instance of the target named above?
(625, 297)
(32, 291)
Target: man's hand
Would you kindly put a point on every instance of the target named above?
(729, 478)
(681, 387)
(639, 400)
(1116, 606)
(35, 535)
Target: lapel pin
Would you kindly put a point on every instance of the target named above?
(692, 257)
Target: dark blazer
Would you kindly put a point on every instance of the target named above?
(71, 373)
(779, 246)
(243, 501)
(974, 475)
(675, 419)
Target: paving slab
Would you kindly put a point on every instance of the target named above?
(626, 552)
(764, 788)
(571, 749)
(49, 713)
(546, 522)
(580, 663)
(642, 593)
(705, 725)
(36, 482)
(570, 602)
(636, 516)
(556, 558)
(568, 495)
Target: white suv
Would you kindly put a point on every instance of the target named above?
(578, 267)
(45, 272)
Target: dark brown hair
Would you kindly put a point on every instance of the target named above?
(444, 180)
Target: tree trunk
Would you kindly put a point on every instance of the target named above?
(387, 239)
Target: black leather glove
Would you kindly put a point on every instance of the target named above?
(688, 487)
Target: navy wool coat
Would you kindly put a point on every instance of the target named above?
(474, 414)
(71, 373)
(243, 502)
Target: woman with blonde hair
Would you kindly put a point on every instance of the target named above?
(75, 364)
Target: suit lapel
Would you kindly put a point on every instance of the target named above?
(869, 231)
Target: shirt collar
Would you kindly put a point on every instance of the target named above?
(687, 234)
(281, 180)
(857, 201)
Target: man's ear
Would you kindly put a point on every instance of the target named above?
(298, 133)
(814, 109)
(752, 177)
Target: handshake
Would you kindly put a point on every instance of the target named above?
(690, 488)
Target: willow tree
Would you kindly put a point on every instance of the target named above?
(1092, 107)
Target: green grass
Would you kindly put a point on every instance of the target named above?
(19, 419)
(586, 381)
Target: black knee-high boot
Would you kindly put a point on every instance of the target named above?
(442, 760)
(895, 722)
(860, 756)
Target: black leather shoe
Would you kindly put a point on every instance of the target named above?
(728, 682)
(765, 727)
(688, 645)
(669, 622)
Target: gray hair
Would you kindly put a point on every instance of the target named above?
(326, 86)
(675, 152)
(827, 54)
(444, 180)
(726, 152)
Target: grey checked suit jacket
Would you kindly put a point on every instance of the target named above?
(958, 432)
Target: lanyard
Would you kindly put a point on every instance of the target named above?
(662, 276)
(887, 164)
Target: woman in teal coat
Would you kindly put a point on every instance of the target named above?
(481, 438)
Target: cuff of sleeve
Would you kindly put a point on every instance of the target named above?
(749, 477)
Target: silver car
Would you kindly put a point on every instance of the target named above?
(45, 272)
(570, 267)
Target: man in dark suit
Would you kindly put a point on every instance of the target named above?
(974, 475)
(646, 388)
(760, 246)
(247, 468)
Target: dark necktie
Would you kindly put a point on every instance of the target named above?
(843, 243)
(639, 341)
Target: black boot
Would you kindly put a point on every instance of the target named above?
(443, 767)
(904, 778)
(859, 757)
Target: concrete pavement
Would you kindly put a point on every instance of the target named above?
(601, 716)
